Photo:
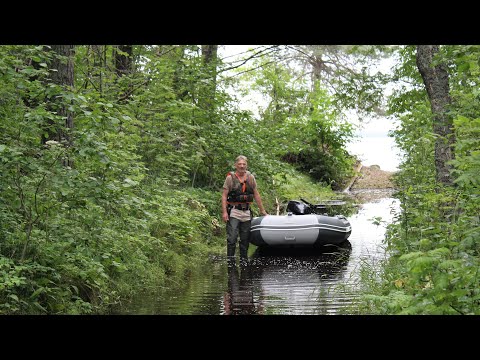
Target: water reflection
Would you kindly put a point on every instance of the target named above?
(238, 300)
(288, 281)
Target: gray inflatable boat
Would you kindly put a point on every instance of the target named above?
(299, 230)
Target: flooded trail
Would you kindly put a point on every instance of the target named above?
(297, 282)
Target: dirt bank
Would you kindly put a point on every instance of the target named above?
(372, 177)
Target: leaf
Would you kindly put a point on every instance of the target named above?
(410, 256)
(114, 121)
(37, 292)
(129, 182)
(39, 306)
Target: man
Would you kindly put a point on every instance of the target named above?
(239, 190)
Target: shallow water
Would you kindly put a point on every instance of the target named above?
(278, 282)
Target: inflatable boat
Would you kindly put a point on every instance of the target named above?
(299, 230)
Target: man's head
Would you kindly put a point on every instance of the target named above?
(241, 164)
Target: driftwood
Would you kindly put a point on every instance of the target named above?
(357, 173)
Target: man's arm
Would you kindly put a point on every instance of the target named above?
(258, 199)
(224, 205)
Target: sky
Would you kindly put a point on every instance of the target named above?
(372, 145)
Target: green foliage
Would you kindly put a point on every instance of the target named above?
(139, 202)
(289, 185)
(78, 240)
(433, 268)
(320, 151)
(299, 125)
(467, 151)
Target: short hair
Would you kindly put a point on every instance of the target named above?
(241, 157)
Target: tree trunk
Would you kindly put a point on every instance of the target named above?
(178, 85)
(209, 56)
(99, 65)
(318, 66)
(123, 60)
(435, 78)
(124, 67)
(206, 100)
(62, 75)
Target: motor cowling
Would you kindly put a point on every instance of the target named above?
(298, 208)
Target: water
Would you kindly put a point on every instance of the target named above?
(274, 282)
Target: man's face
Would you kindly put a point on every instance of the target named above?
(241, 166)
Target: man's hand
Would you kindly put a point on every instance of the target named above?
(225, 216)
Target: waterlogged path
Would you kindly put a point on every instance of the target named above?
(283, 283)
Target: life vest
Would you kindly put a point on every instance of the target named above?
(241, 193)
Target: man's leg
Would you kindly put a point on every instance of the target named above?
(232, 234)
(244, 238)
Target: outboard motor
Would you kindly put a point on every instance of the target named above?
(298, 208)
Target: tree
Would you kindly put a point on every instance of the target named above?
(123, 67)
(209, 60)
(62, 80)
(123, 59)
(346, 71)
(435, 77)
(178, 83)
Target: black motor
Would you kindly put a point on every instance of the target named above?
(298, 208)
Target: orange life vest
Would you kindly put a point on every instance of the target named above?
(242, 192)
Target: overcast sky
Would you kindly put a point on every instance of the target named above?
(374, 146)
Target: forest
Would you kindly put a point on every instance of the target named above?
(113, 158)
